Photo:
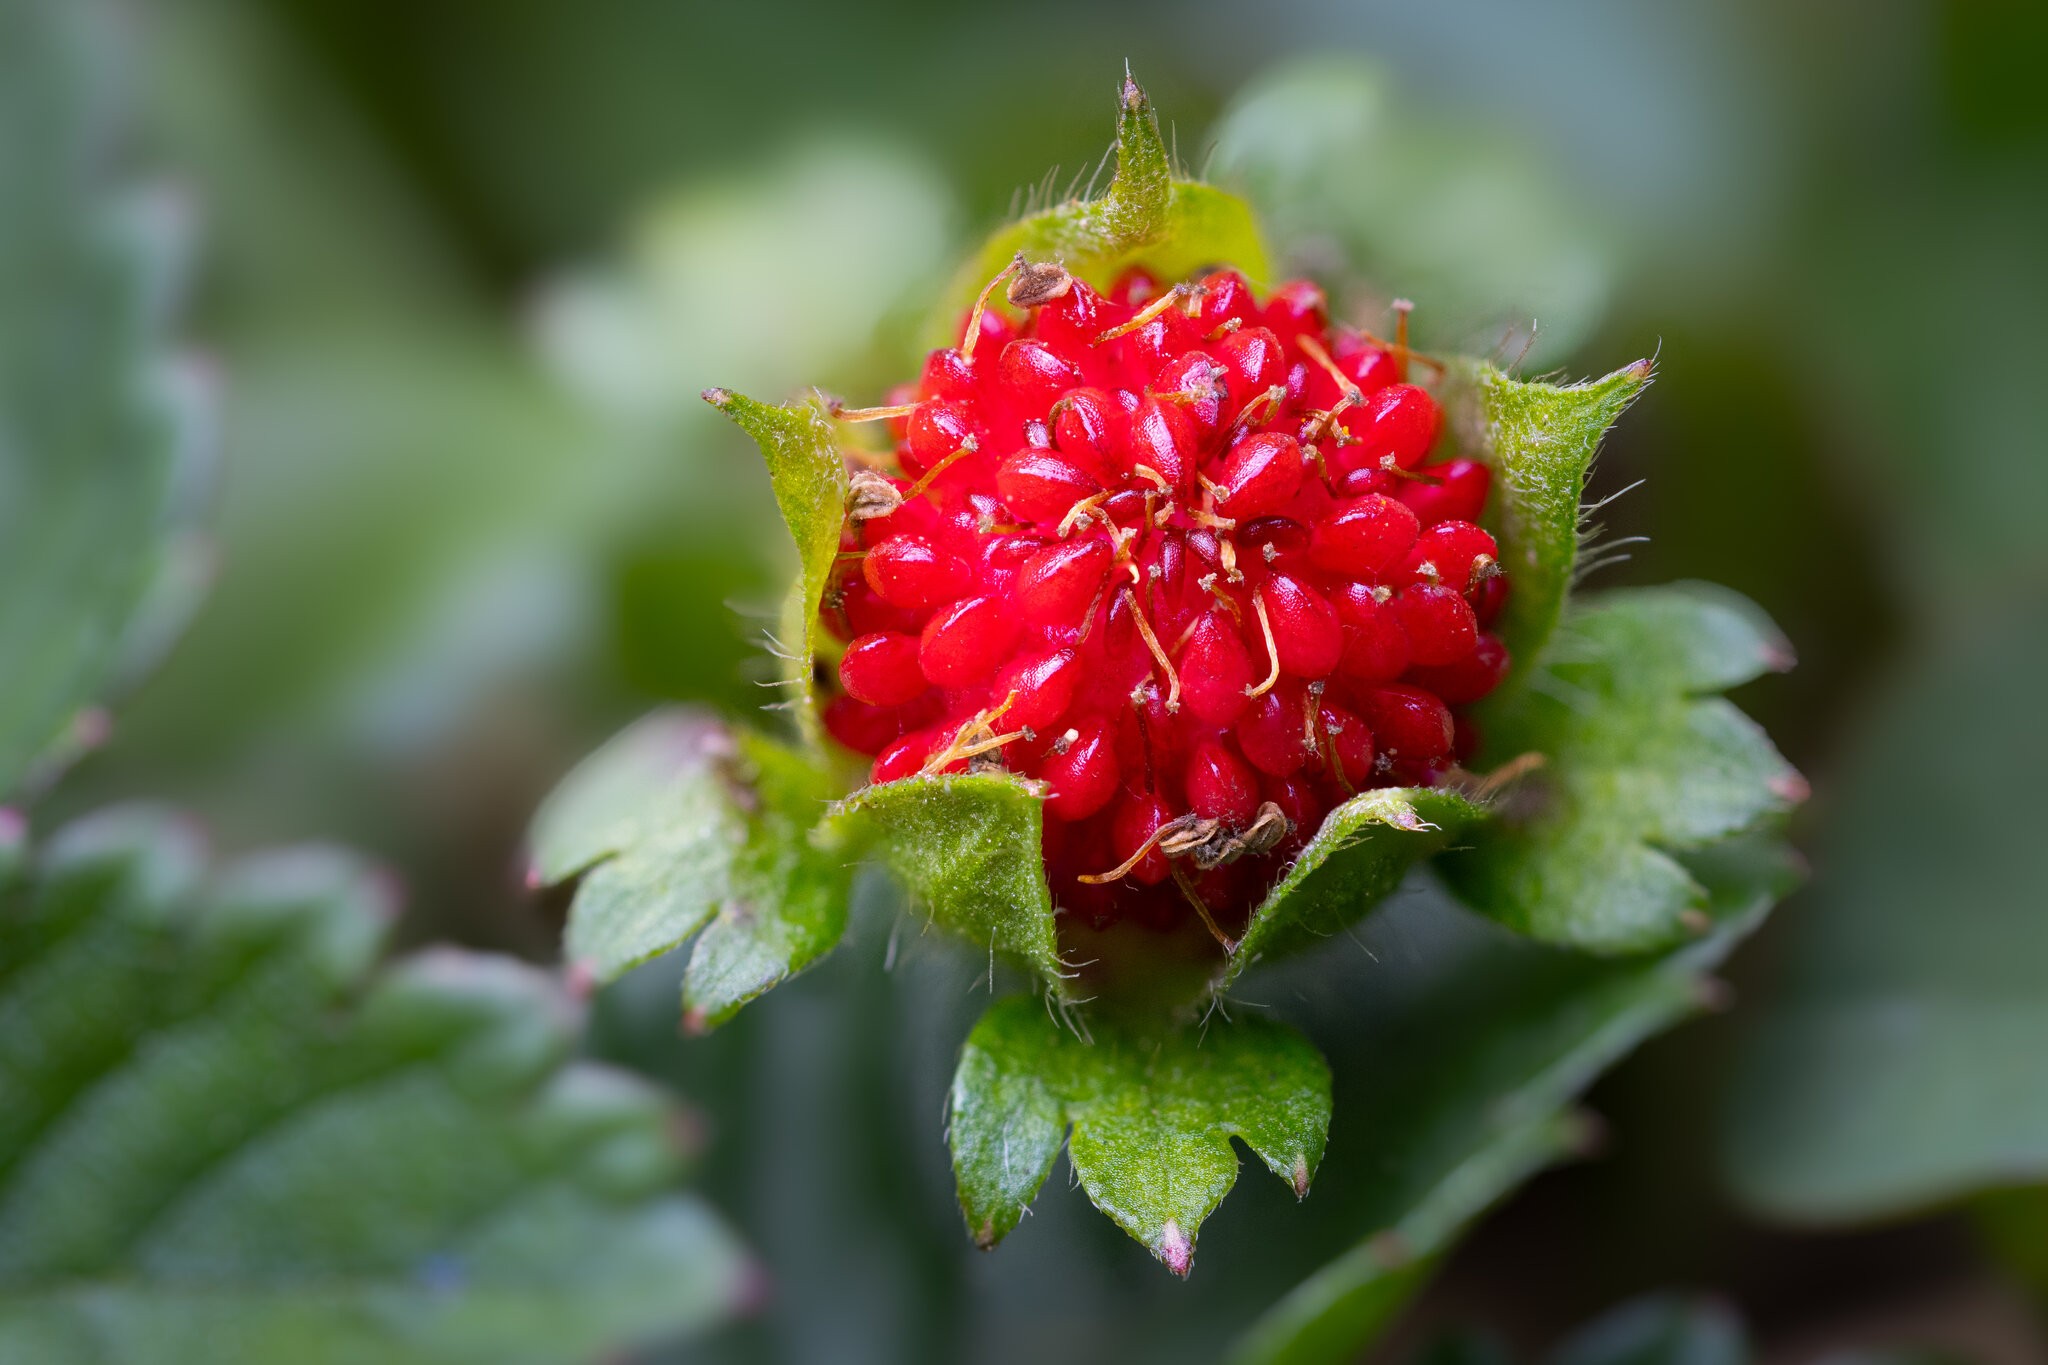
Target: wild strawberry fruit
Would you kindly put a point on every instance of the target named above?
(1174, 553)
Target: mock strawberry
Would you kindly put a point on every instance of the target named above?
(1173, 553)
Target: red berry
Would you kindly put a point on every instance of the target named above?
(1034, 375)
(1274, 732)
(1137, 819)
(1306, 632)
(907, 756)
(882, 669)
(1195, 386)
(1438, 622)
(1455, 553)
(1163, 441)
(937, 429)
(1226, 297)
(1038, 485)
(1080, 772)
(1090, 429)
(1154, 576)
(1216, 671)
(1459, 494)
(911, 571)
(1347, 750)
(1296, 309)
(1363, 537)
(1252, 363)
(1220, 787)
(1260, 476)
(1375, 645)
(963, 643)
(862, 728)
(1398, 423)
(1057, 583)
(1413, 726)
(1039, 688)
(1466, 680)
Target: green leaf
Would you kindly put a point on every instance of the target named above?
(1380, 194)
(1148, 217)
(222, 1137)
(1152, 1110)
(1897, 1063)
(680, 826)
(101, 434)
(1475, 1048)
(801, 448)
(1642, 765)
(1356, 859)
(967, 848)
(1540, 440)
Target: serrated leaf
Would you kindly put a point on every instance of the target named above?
(1356, 859)
(1148, 217)
(681, 826)
(1476, 1043)
(801, 449)
(1641, 765)
(1380, 194)
(1151, 1108)
(967, 848)
(208, 1152)
(1539, 439)
(101, 434)
(1897, 1062)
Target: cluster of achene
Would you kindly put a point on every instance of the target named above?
(1174, 553)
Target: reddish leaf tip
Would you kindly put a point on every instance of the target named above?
(1791, 787)
(717, 397)
(695, 1024)
(1175, 1249)
(579, 978)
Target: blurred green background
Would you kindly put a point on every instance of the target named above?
(466, 265)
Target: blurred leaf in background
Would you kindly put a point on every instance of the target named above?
(222, 1139)
(1372, 187)
(103, 440)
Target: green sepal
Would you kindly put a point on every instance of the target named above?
(967, 847)
(683, 826)
(800, 445)
(1539, 439)
(1361, 853)
(1641, 766)
(1151, 1108)
(225, 1133)
(1148, 217)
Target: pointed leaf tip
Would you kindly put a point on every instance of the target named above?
(1147, 217)
(716, 396)
(1175, 1250)
(1152, 1110)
